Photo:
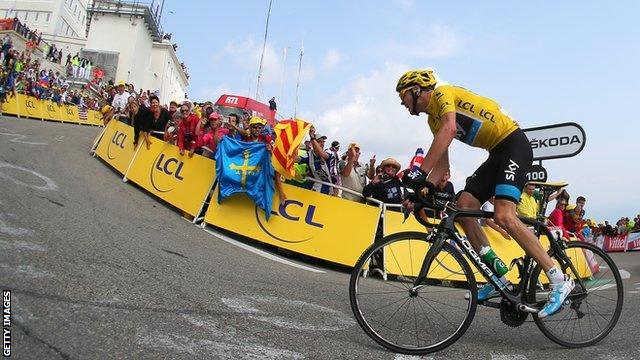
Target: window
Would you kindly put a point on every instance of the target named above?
(26, 15)
(75, 8)
(37, 15)
(83, 20)
(48, 16)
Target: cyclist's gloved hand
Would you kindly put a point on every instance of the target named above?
(416, 179)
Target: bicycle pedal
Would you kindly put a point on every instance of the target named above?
(490, 304)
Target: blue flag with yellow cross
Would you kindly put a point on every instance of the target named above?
(245, 167)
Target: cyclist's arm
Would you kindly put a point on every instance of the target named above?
(438, 154)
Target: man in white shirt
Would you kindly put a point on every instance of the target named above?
(353, 174)
(119, 102)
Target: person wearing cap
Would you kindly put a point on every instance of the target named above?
(120, 98)
(352, 173)
(107, 113)
(319, 160)
(256, 125)
(173, 107)
(386, 187)
(556, 218)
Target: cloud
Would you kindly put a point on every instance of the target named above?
(332, 59)
(405, 4)
(437, 41)
(245, 55)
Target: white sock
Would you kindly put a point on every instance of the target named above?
(555, 275)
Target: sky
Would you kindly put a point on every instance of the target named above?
(545, 62)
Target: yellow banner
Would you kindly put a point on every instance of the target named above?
(29, 106)
(321, 226)
(179, 180)
(94, 118)
(10, 105)
(116, 145)
(70, 114)
(52, 111)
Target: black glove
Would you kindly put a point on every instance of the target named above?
(416, 180)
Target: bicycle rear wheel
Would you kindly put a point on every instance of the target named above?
(428, 321)
(593, 309)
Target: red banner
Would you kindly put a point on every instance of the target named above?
(633, 241)
(615, 243)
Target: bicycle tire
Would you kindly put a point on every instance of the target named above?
(450, 296)
(599, 284)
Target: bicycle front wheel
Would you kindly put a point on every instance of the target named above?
(593, 308)
(416, 323)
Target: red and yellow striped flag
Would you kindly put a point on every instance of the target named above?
(289, 135)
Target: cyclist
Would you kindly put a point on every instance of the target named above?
(454, 112)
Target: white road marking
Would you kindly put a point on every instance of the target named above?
(17, 138)
(12, 231)
(238, 348)
(499, 356)
(21, 245)
(27, 270)
(50, 185)
(624, 274)
(262, 253)
(324, 319)
(412, 357)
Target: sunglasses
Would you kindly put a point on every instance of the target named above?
(184, 111)
(257, 126)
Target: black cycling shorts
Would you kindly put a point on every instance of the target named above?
(503, 174)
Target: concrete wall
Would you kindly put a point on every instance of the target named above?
(127, 36)
(166, 73)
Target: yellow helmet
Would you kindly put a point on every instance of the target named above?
(257, 120)
(105, 109)
(422, 78)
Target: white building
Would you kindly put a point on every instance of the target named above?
(131, 30)
(62, 22)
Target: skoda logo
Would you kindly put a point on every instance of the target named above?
(296, 212)
(165, 165)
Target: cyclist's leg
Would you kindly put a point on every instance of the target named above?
(478, 189)
(515, 159)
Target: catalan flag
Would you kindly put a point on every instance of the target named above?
(289, 135)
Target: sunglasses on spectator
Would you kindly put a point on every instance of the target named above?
(257, 126)
(184, 110)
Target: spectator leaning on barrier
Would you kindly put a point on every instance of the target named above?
(556, 218)
(120, 98)
(187, 130)
(171, 129)
(573, 216)
(528, 205)
(386, 186)
(142, 120)
(160, 117)
(319, 163)
(333, 166)
(353, 174)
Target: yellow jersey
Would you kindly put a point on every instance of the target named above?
(480, 121)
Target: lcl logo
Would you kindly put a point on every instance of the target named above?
(118, 140)
(292, 210)
(167, 165)
(70, 111)
(30, 106)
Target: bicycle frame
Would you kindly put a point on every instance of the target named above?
(446, 230)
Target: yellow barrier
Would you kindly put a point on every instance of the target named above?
(28, 106)
(94, 118)
(10, 105)
(52, 111)
(70, 113)
(116, 146)
(507, 250)
(321, 226)
(181, 181)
